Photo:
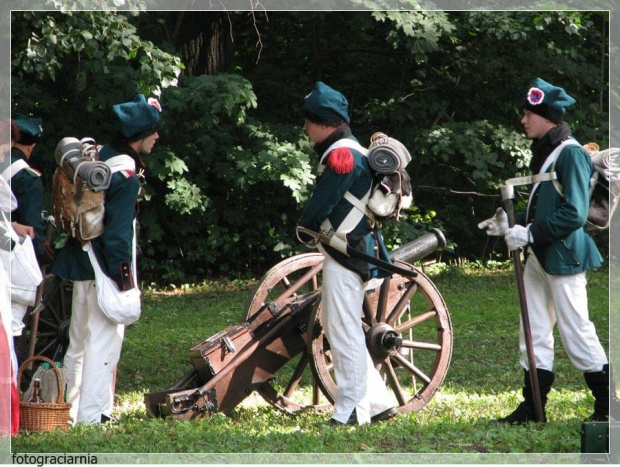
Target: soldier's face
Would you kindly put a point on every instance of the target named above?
(534, 125)
(316, 132)
(146, 144)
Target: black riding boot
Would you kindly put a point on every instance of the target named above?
(526, 411)
(598, 382)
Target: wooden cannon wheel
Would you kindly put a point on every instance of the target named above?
(47, 333)
(402, 308)
(408, 334)
(284, 282)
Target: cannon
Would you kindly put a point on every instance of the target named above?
(281, 351)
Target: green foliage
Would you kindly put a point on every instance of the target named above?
(232, 170)
(422, 31)
(228, 188)
(77, 53)
(460, 164)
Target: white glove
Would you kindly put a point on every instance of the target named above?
(496, 225)
(518, 237)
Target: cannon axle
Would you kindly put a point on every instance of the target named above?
(382, 341)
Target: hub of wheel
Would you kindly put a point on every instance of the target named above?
(382, 341)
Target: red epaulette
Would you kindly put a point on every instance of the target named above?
(341, 160)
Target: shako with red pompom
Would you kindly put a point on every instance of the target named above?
(341, 161)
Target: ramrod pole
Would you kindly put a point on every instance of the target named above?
(508, 199)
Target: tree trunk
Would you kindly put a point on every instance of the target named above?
(203, 40)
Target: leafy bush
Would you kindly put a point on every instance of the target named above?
(228, 189)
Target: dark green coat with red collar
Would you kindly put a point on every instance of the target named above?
(27, 187)
(114, 247)
(345, 170)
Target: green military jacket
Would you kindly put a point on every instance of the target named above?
(114, 248)
(561, 243)
(346, 169)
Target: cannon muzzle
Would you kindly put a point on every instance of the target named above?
(420, 247)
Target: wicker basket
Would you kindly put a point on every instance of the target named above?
(43, 416)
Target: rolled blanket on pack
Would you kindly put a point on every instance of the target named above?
(96, 174)
(601, 159)
(387, 155)
(70, 157)
(607, 163)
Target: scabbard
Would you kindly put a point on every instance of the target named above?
(339, 244)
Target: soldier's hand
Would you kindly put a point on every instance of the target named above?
(23, 230)
(518, 237)
(496, 225)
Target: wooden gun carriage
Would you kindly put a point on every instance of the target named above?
(281, 351)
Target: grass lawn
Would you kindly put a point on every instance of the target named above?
(483, 382)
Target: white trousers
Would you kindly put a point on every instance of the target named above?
(360, 385)
(90, 362)
(561, 299)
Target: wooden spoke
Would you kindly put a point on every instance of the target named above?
(409, 336)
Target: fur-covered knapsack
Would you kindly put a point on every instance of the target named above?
(390, 191)
(79, 184)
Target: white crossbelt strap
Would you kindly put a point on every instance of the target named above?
(121, 162)
(353, 218)
(531, 179)
(355, 215)
(542, 175)
(14, 169)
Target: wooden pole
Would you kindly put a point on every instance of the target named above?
(508, 199)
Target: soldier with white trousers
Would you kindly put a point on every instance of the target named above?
(362, 396)
(96, 341)
(558, 252)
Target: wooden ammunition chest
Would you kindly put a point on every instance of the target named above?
(213, 354)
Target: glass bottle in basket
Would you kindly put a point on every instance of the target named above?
(36, 391)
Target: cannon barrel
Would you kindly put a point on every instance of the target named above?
(420, 247)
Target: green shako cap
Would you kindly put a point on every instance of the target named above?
(30, 129)
(547, 100)
(325, 103)
(137, 116)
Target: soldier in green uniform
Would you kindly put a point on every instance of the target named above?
(362, 395)
(27, 187)
(95, 341)
(558, 252)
